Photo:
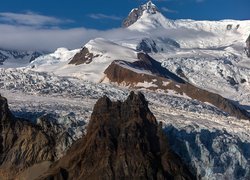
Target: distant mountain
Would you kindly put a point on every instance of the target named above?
(16, 58)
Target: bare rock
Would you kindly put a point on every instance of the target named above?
(123, 141)
(23, 144)
(83, 57)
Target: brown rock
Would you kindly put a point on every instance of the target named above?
(22, 144)
(151, 71)
(123, 141)
(83, 57)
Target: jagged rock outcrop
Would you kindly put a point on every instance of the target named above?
(22, 144)
(123, 141)
(248, 46)
(83, 57)
(136, 13)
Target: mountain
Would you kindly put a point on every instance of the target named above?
(16, 58)
(195, 75)
(123, 141)
(136, 13)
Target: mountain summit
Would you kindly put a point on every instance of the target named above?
(136, 13)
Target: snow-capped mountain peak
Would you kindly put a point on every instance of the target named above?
(136, 13)
(150, 7)
(146, 17)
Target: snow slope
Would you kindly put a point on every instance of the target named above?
(104, 53)
(193, 34)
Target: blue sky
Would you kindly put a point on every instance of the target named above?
(101, 14)
(49, 24)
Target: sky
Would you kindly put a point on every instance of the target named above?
(48, 24)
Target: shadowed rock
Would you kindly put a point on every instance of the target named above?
(83, 57)
(123, 141)
(22, 144)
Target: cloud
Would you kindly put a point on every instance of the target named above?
(22, 37)
(104, 16)
(164, 9)
(31, 38)
(30, 19)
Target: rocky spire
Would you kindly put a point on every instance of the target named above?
(123, 141)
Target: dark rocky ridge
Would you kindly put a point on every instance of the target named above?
(125, 73)
(123, 141)
(145, 63)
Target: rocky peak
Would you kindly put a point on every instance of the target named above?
(123, 141)
(136, 13)
(150, 7)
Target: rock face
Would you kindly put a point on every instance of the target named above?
(149, 71)
(136, 13)
(123, 141)
(248, 46)
(83, 57)
(122, 71)
(22, 144)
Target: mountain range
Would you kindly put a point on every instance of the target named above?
(72, 115)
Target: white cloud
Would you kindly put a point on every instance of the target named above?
(31, 38)
(164, 9)
(32, 31)
(30, 19)
(104, 16)
(48, 39)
